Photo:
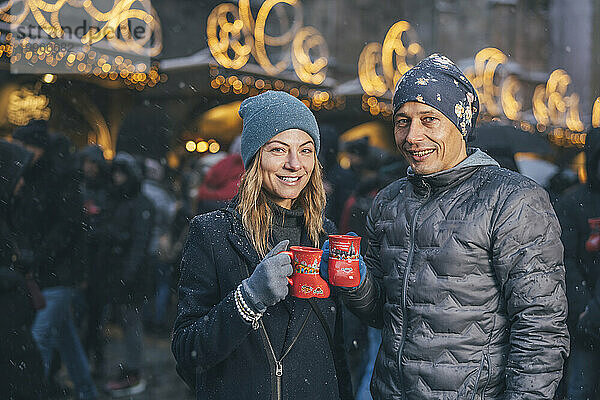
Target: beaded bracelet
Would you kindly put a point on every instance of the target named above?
(244, 309)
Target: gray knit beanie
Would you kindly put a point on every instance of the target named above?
(269, 114)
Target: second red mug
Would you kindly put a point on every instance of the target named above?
(343, 260)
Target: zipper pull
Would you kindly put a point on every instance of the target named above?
(278, 368)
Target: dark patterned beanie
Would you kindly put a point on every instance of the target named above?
(270, 113)
(437, 82)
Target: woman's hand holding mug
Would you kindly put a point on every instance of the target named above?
(268, 284)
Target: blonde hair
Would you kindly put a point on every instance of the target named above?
(257, 215)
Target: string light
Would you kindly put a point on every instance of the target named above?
(214, 147)
(309, 41)
(202, 146)
(596, 113)
(233, 35)
(393, 59)
(394, 48)
(49, 78)
(510, 105)
(190, 146)
(112, 25)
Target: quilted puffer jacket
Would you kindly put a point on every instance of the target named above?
(466, 279)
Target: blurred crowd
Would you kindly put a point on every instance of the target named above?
(88, 242)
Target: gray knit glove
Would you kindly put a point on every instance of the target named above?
(268, 284)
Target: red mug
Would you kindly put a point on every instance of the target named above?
(305, 281)
(592, 245)
(343, 264)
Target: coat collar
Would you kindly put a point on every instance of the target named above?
(445, 179)
(238, 239)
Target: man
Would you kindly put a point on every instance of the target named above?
(577, 209)
(465, 270)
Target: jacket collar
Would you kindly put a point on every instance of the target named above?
(240, 242)
(450, 177)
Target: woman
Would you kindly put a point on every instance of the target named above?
(238, 332)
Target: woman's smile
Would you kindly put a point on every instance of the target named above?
(286, 163)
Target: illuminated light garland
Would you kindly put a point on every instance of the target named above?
(13, 18)
(225, 35)
(307, 39)
(315, 98)
(510, 105)
(259, 36)
(88, 62)
(116, 20)
(393, 58)
(483, 77)
(394, 49)
(596, 113)
(275, 41)
(368, 63)
(551, 105)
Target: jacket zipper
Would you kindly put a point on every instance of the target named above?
(278, 363)
(405, 288)
(276, 391)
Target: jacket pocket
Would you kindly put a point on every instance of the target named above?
(470, 387)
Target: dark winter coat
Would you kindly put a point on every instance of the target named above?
(95, 197)
(466, 279)
(13, 162)
(95, 192)
(20, 361)
(212, 341)
(51, 223)
(574, 208)
(129, 232)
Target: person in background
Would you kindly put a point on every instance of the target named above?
(21, 364)
(153, 188)
(343, 181)
(51, 232)
(464, 268)
(577, 210)
(94, 187)
(129, 275)
(238, 332)
(221, 182)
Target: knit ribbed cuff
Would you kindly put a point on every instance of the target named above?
(254, 303)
